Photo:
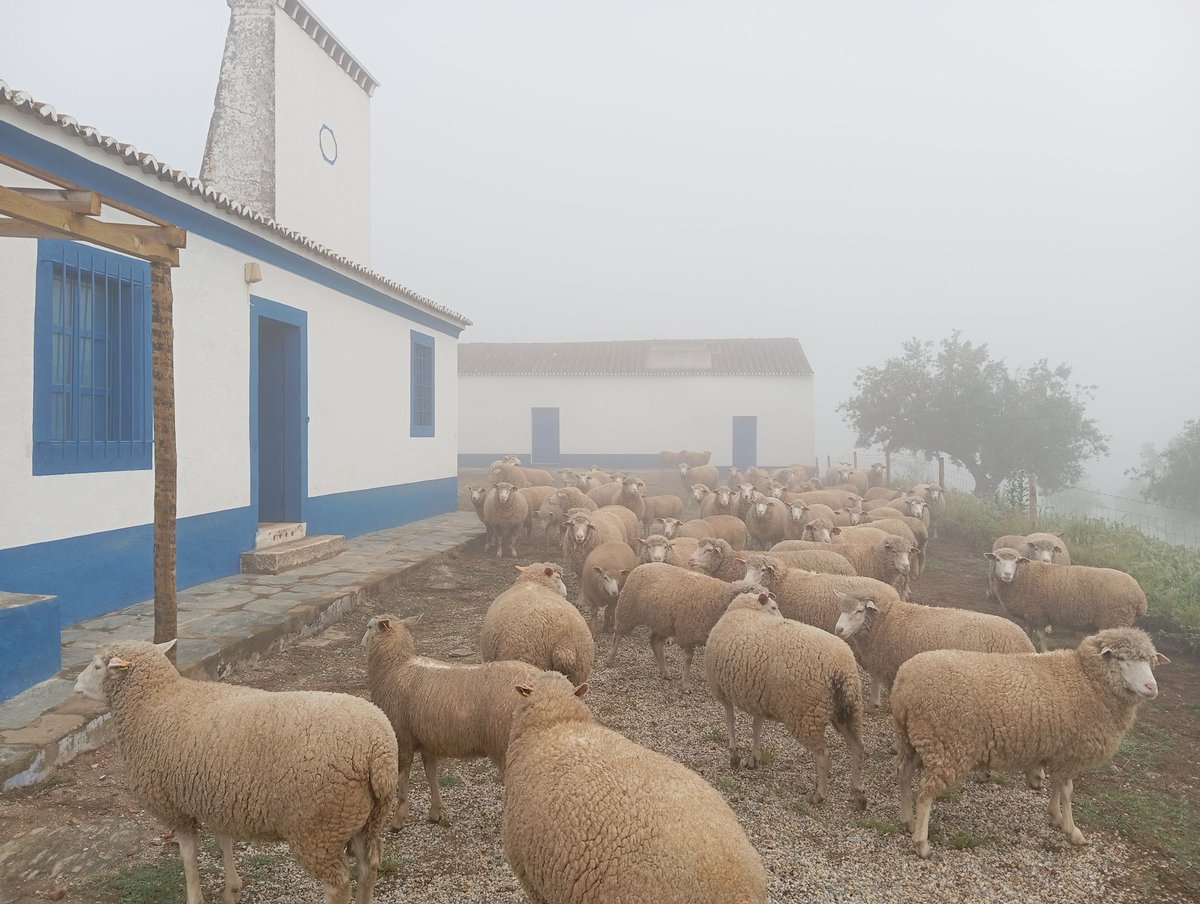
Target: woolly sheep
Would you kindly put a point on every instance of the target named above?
(534, 498)
(674, 603)
(886, 633)
(717, 558)
(722, 501)
(606, 493)
(730, 529)
(438, 709)
(935, 496)
(835, 499)
(567, 498)
(698, 493)
(917, 532)
(664, 506)
(876, 476)
(532, 621)
(822, 561)
(504, 511)
(818, 530)
(787, 672)
(590, 816)
(657, 548)
(880, 492)
(799, 514)
(1066, 711)
(705, 474)
(670, 459)
(765, 521)
(314, 769)
(603, 575)
(478, 495)
(627, 519)
(809, 597)
(583, 531)
(504, 472)
(632, 496)
(1037, 547)
(847, 518)
(668, 527)
(1042, 597)
(696, 459)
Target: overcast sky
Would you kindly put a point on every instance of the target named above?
(849, 173)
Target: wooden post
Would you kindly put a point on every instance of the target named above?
(817, 466)
(941, 470)
(856, 458)
(887, 467)
(828, 463)
(1033, 500)
(162, 367)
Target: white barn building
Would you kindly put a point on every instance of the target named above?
(748, 401)
(310, 390)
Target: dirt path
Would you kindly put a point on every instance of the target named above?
(84, 834)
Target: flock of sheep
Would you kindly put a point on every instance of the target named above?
(790, 584)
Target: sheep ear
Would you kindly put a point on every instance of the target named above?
(167, 646)
(548, 571)
(991, 556)
(764, 598)
(598, 570)
(1106, 651)
(1022, 560)
(871, 605)
(914, 549)
(410, 621)
(117, 663)
(840, 596)
(1058, 549)
(383, 623)
(836, 530)
(581, 690)
(624, 572)
(524, 690)
(1160, 659)
(519, 567)
(642, 541)
(740, 561)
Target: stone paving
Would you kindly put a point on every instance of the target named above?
(219, 623)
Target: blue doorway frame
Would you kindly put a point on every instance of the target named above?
(278, 411)
(544, 448)
(745, 441)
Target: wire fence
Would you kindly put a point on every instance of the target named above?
(1178, 527)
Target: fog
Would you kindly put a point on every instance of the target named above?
(852, 174)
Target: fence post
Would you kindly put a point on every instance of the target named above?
(817, 466)
(941, 471)
(887, 466)
(856, 458)
(828, 463)
(1033, 500)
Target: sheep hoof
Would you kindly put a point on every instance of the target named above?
(858, 800)
(751, 762)
(734, 760)
(437, 816)
(232, 895)
(815, 798)
(924, 850)
(1077, 838)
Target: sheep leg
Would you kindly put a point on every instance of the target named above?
(435, 790)
(731, 733)
(233, 882)
(406, 758)
(326, 866)
(685, 683)
(656, 645)
(858, 793)
(1039, 638)
(367, 854)
(905, 767)
(191, 869)
(755, 743)
(1064, 789)
(1034, 777)
(612, 652)
(823, 761)
(608, 617)
(932, 785)
(876, 695)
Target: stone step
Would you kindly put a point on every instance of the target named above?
(285, 556)
(272, 533)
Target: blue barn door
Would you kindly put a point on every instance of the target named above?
(545, 436)
(745, 441)
(279, 412)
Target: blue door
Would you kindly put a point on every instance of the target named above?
(745, 441)
(279, 419)
(545, 436)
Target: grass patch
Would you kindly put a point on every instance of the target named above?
(718, 737)
(1167, 824)
(884, 828)
(449, 780)
(766, 756)
(725, 784)
(149, 883)
(965, 841)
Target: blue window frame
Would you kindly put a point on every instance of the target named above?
(91, 371)
(421, 419)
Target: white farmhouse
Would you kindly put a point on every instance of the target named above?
(748, 401)
(311, 392)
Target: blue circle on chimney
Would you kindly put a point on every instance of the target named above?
(328, 142)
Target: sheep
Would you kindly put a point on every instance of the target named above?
(478, 495)
(668, 527)
(858, 479)
(669, 459)
(504, 510)
(846, 518)
(699, 492)
(766, 521)
(876, 476)
(886, 559)
(505, 472)
(657, 548)
(438, 709)
(664, 506)
(1037, 547)
(885, 634)
(1041, 597)
(806, 596)
(788, 672)
(705, 474)
(893, 524)
(606, 493)
(798, 514)
(314, 769)
(835, 499)
(533, 622)
(722, 501)
(818, 530)
(674, 603)
(567, 498)
(583, 531)
(1066, 711)
(590, 816)
(603, 575)
(935, 496)
(823, 561)
(836, 472)
(632, 496)
(881, 492)
(534, 498)
(628, 520)
(696, 459)
(727, 527)
(717, 558)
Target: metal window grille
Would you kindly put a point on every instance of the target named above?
(422, 385)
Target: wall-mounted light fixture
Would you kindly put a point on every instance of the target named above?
(253, 271)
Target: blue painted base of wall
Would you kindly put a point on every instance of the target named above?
(99, 573)
(362, 511)
(30, 646)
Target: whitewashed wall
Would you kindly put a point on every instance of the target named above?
(358, 385)
(328, 202)
(640, 414)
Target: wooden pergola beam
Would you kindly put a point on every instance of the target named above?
(115, 236)
(54, 179)
(74, 200)
(167, 235)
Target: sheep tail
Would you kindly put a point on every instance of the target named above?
(564, 661)
(383, 781)
(847, 707)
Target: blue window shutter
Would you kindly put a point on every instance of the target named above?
(421, 390)
(92, 387)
